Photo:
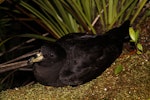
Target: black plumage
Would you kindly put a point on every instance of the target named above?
(78, 58)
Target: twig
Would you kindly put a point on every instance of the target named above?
(5, 78)
(18, 46)
(21, 57)
(11, 66)
(95, 20)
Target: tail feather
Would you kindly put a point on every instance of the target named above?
(125, 29)
(125, 24)
(121, 32)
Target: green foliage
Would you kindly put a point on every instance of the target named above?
(67, 16)
(113, 11)
(134, 38)
(63, 17)
(134, 35)
(118, 69)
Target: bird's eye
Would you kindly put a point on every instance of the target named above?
(51, 55)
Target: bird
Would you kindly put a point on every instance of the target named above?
(78, 58)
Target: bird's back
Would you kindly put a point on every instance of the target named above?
(88, 56)
(120, 33)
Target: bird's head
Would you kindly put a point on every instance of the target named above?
(50, 53)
